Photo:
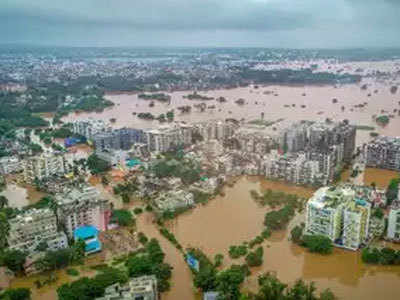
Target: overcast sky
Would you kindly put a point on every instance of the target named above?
(222, 23)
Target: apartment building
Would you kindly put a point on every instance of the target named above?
(296, 168)
(118, 139)
(10, 164)
(90, 127)
(168, 137)
(33, 228)
(255, 139)
(320, 136)
(215, 130)
(383, 152)
(44, 166)
(140, 288)
(83, 206)
(341, 214)
(174, 199)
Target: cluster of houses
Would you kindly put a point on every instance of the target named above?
(82, 213)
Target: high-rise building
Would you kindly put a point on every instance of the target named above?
(44, 166)
(118, 139)
(90, 127)
(34, 228)
(383, 152)
(341, 213)
(83, 206)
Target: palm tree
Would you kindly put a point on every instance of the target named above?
(3, 201)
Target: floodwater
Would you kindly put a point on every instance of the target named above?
(49, 291)
(381, 177)
(317, 102)
(235, 218)
(19, 196)
(181, 281)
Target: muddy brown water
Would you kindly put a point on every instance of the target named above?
(235, 218)
(317, 100)
(20, 196)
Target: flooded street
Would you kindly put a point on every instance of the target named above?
(19, 196)
(181, 281)
(292, 103)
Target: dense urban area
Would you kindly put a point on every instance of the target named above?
(119, 169)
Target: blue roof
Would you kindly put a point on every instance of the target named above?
(93, 246)
(210, 296)
(85, 232)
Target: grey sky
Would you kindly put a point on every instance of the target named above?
(266, 23)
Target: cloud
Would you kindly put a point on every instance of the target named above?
(254, 22)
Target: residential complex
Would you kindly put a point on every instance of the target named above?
(341, 213)
(383, 152)
(140, 288)
(168, 137)
(294, 168)
(215, 130)
(83, 206)
(44, 166)
(34, 228)
(90, 127)
(10, 164)
(118, 139)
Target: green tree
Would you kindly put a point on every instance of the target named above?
(14, 260)
(255, 258)
(123, 217)
(4, 227)
(3, 201)
(297, 234)
(97, 165)
(16, 294)
(318, 243)
(229, 281)
(392, 190)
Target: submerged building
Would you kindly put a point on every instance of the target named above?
(140, 288)
(340, 213)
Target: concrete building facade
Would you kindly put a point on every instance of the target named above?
(34, 227)
(83, 206)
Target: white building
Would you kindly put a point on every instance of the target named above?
(83, 206)
(215, 130)
(44, 166)
(34, 227)
(172, 200)
(90, 127)
(168, 137)
(10, 164)
(140, 288)
(340, 213)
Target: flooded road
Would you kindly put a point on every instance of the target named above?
(19, 196)
(292, 103)
(181, 281)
